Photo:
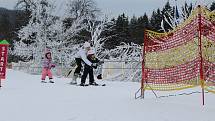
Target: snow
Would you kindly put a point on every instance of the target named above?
(24, 98)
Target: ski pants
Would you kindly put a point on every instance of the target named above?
(46, 72)
(87, 70)
(79, 65)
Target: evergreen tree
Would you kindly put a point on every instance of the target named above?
(7, 25)
(122, 23)
(212, 6)
(4, 24)
(113, 41)
(168, 14)
(120, 30)
(186, 10)
(156, 20)
(143, 24)
(133, 29)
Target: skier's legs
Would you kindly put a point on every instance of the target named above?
(99, 72)
(79, 65)
(91, 76)
(84, 76)
(74, 79)
(77, 71)
(49, 73)
(44, 74)
(70, 71)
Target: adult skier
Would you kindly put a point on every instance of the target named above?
(89, 69)
(81, 56)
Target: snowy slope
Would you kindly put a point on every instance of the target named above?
(24, 98)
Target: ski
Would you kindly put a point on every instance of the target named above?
(103, 84)
(87, 85)
(75, 84)
(99, 85)
(47, 82)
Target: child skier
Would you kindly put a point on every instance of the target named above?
(47, 65)
(89, 69)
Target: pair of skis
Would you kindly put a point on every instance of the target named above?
(85, 85)
(47, 82)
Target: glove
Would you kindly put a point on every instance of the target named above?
(100, 62)
(94, 65)
(53, 66)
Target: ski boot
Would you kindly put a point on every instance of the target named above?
(43, 81)
(50, 81)
(74, 79)
(94, 84)
(99, 76)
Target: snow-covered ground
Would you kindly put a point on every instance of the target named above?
(24, 98)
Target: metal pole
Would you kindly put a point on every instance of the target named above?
(200, 53)
(143, 66)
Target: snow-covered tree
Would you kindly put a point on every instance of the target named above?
(173, 17)
(130, 56)
(97, 28)
(82, 8)
(70, 27)
(60, 34)
(37, 35)
(24, 5)
(186, 10)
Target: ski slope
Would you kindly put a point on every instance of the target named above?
(24, 98)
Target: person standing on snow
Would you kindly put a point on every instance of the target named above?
(81, 56)
(89, 69)
(47, 65)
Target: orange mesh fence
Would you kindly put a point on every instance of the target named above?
(172, 60)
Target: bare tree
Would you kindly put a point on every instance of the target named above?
(24, 5)
(96, 29)
(82, 8)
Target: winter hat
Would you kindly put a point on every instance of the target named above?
(91, 52)
(86, 44)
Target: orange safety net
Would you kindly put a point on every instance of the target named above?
(182, 58)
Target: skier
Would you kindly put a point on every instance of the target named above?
(81, 56)
(47, 65)
(89, 69)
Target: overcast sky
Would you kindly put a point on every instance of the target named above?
(116, 7)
